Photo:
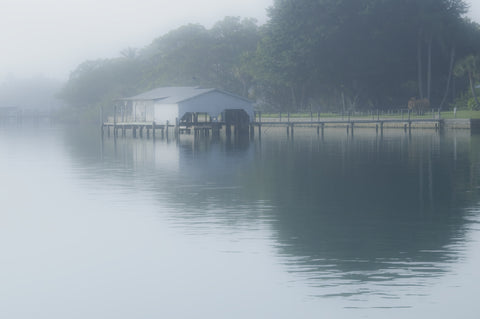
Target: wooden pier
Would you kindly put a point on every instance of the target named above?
(141, 129)
(147, 129)
(214, 128)
(377, 124)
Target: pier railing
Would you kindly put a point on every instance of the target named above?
(370, 115)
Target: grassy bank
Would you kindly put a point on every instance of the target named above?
(396, 114)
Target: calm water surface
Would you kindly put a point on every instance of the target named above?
(369, 226)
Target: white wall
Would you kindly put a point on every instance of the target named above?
(142, 111)
(214, 103)
(165, 112)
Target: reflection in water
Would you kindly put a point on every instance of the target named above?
(297, 227)
(352, 216)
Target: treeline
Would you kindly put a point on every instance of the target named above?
(35, 93)
(311, 54)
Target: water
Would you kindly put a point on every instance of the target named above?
(369, 226)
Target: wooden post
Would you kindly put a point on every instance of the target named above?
(318, 130)
(177, 126)
(115, 120)
(228, 130)
(323, 126)
(166, 130)
(153, 129)
(292, 129)
(288, 117)
(134, 131)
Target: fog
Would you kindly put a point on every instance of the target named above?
(50, 38)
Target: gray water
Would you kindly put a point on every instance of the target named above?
(369, 226)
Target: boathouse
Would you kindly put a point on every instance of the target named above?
(177, 105)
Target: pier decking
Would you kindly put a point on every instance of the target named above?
(318, 124)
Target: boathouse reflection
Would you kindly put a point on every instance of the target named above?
(375, 208)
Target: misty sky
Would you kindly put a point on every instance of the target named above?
(51, 37)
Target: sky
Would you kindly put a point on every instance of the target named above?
(52, 37)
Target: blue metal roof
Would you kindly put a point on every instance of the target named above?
(170, 95)
(176, 94)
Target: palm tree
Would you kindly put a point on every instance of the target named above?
(469, 66)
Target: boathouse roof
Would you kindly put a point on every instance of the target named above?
(175, 94)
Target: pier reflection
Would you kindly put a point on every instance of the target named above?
(351, 216)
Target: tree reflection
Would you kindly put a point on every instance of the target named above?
(343, 209)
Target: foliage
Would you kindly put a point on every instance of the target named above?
(357, 52)
(338, 55)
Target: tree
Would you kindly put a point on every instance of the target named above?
(469, 66)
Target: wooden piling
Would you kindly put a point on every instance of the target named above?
(228, 130)
(114, 121)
